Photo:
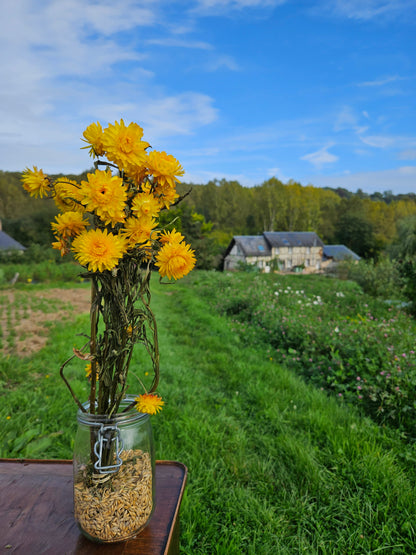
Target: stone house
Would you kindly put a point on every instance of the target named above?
(280, 250)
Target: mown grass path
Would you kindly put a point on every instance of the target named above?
(275, 466)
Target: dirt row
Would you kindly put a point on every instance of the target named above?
(29, 325)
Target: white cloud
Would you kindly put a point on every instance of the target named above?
(172, 42)
(207, 5)
(381, 82)
(321, 157)
(65, 67)
(406, 143)
(345, 119)
(409, 154)
(348, 120)
(399, 180)
(378, 141)
(223, 61)
(368, 9)
(277, 172)
(178, 115)
(202, 176)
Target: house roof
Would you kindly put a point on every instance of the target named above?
(261, 245)
(339, 252)
(252, 245)
(293, 239)
(7, 243)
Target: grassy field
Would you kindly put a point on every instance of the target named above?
(276, 465)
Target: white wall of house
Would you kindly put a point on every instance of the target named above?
(289, 257)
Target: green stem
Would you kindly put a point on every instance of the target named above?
(94, 315)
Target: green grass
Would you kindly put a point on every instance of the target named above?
(275, 465)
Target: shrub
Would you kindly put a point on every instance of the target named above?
(377, 279)
(352, 345)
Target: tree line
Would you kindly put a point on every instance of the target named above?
(367, 224)
(370, 225)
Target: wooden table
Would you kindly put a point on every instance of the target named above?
(36, 512)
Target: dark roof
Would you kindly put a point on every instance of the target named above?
(252, 245)
(293, 239)
(339, 252)
(7, 243)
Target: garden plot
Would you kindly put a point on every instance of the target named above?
(26, 316)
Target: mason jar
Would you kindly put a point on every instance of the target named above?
(114, 473)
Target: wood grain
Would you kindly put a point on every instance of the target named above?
(36, 511)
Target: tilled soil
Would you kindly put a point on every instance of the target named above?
(25, 317)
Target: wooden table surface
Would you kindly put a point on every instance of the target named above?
(37, 517)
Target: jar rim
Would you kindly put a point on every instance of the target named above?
(132, 415)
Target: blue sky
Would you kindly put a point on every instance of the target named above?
(318, 91)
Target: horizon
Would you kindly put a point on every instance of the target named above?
(321, 92)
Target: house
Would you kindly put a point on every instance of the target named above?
(283, 250)
(7, 243)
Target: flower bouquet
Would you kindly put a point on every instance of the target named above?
(110, 223)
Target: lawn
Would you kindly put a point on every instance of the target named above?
(278, 461)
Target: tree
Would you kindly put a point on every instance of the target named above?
(197, 232)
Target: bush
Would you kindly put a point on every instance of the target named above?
(41, 272)
(34, 253)
(378, 280)
(354, 346)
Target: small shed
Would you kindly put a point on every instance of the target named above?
(337, 253)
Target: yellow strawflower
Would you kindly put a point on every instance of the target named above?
(93, 135)
(69, 224)
(36, 183)
(66, 195)
(165, 168)
(149, 403)
(105, 195)
(98, 250)
(137, 174)
(88, 370)
(166, 194)
(171, 237)
(145, 205)
(175, 260)
(139, 231)
(61, 245)
(123, 145)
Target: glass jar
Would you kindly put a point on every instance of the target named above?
(114, 473)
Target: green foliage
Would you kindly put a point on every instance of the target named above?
(41, 272)
(197, 232)
(246, 267)
(34, 226)
(274, 465)
(357, 233)
(33, 254)
(379, 279)
(407, 271)
(351, 345)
